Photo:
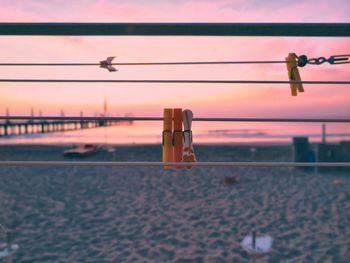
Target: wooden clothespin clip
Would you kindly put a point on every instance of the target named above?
(177, 136)
(167, 137)
(188, 152)
(107, 64)
(293, 74)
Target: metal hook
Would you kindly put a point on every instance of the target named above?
(339, 59)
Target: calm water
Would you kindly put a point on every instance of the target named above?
(203, 132)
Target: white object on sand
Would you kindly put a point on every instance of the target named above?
(7, 251)
(110, 149)
(262, 245)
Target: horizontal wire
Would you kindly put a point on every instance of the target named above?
(182, 164)
(50, 64)
(148, 63)
(173, 81)
(76, 118)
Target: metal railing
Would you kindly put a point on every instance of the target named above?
(176, 29)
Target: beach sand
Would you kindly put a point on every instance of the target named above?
(126, 214)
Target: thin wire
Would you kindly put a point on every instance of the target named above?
(76, 118)
(49, 64)
(202, 164)
(174, 81)
(149, 63)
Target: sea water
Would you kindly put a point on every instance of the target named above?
(142, 132)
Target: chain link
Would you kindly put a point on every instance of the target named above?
(317, 61)
(336, 59)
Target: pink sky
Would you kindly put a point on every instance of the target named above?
(150, 99)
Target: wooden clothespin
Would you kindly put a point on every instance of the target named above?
(293, 74)
(177, 136)
(167, 137)
(188, 152)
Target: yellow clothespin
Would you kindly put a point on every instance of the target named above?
(293, 74)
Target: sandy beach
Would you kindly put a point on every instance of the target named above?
(97, 214)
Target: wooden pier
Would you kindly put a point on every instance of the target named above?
(10, 128)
